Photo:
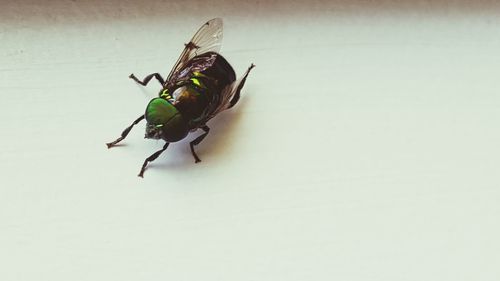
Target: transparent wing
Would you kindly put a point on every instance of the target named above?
(207, 39)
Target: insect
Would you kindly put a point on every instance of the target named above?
(200, 85)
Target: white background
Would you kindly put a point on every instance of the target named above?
(365, 145)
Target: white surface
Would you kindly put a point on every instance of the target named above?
(365, 146)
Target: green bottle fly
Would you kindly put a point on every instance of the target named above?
(200, 85)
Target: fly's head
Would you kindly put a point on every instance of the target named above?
(154, 131)
(164, 121)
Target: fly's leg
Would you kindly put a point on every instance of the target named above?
(197, 141)
(236, 96)
(151, 159)
(148, 78)
(125, 132)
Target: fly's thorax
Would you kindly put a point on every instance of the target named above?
(165, 94)
(188, 97)
(164, 121)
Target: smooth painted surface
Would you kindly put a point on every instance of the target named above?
(365, 146)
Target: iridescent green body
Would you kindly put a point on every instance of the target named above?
(191, 101)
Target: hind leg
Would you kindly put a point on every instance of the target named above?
(240, 85)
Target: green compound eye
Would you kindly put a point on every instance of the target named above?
(159, 111)
(165, 121)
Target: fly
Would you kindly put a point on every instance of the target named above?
(200, 85)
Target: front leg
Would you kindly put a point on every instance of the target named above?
(197, 141)
(125, 132)
(151, 159)
(148, 78)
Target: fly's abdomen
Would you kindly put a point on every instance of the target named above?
(220, 73)
(203, 85)
(214, 77)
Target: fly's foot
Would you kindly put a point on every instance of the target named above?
(141, 174)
